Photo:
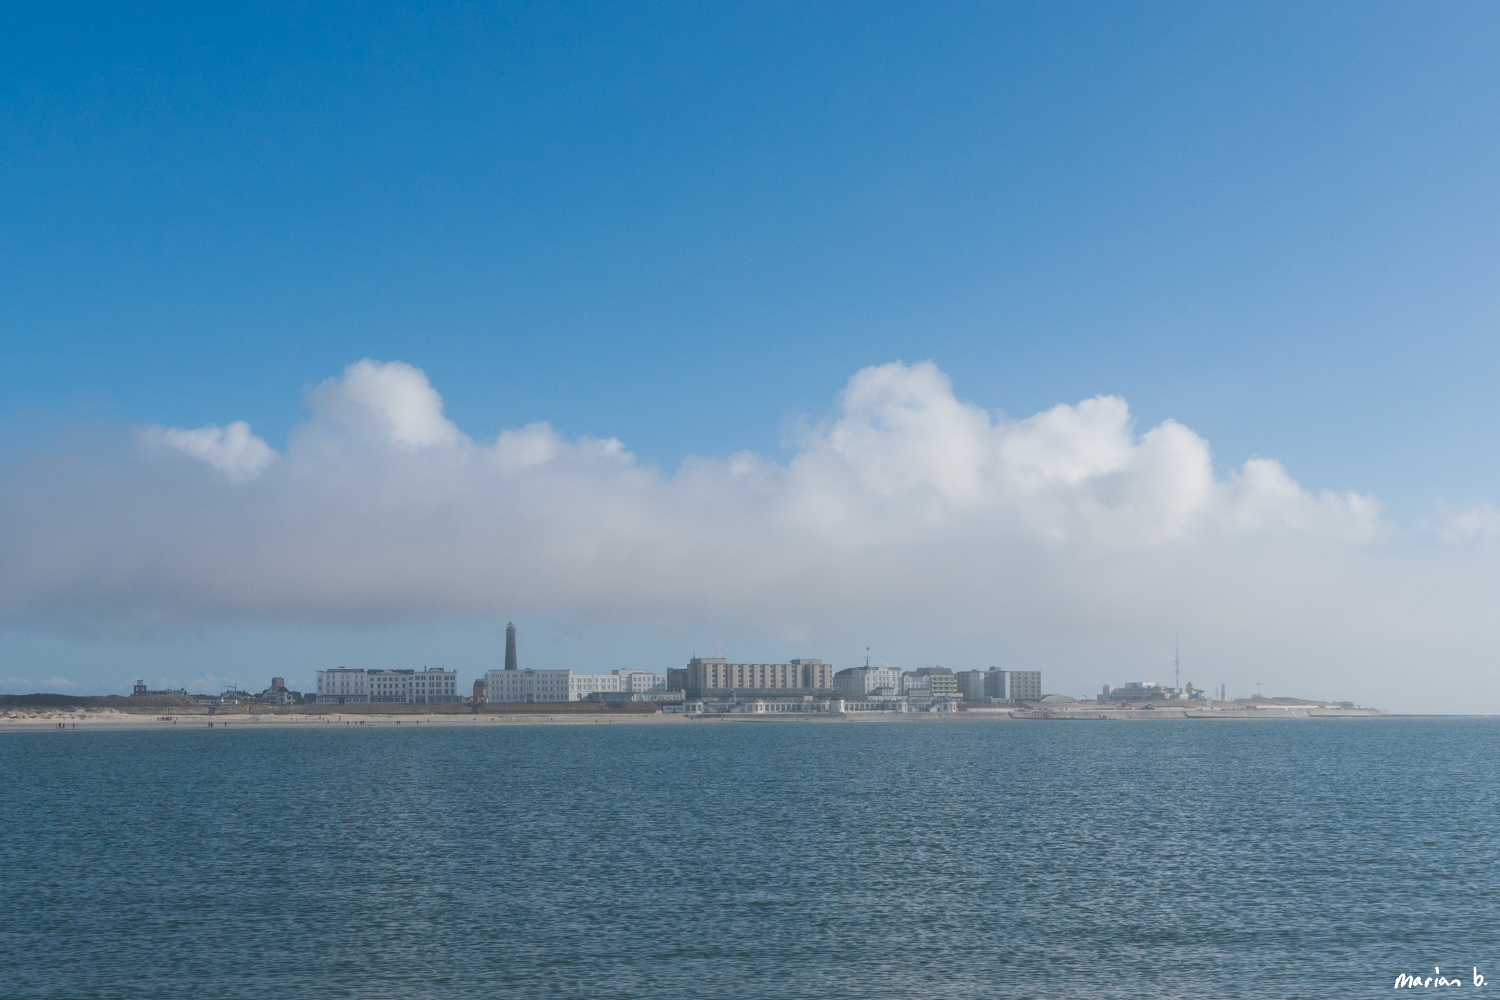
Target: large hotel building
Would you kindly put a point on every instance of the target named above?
(346, 686)
(708, 677)
(564, 685)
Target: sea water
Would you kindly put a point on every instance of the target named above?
(755, 859)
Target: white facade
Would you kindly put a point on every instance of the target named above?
(564, 685)
(714, 674)
(343, 686)
(640, 681)
(527, 685)
(1025, 685)
(916, 685)
(580, 686)
(414, 687)
(857, 682)
(357, 686)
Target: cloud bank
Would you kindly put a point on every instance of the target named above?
(909, 504)
(233, 450)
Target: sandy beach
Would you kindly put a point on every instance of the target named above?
(108, 719)
(42, 720)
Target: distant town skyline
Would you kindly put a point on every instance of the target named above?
(982, 335)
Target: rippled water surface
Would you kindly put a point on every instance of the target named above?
(900, 859)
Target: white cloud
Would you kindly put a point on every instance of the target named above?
(1478, 523)
(392, 402)
(382, 507)
(1076, 475)
(909, 505)
(58, 682)
(233, 450)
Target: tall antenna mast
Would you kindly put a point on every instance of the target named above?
(867, 657)
(1176, 662)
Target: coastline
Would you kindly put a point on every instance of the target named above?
(110, 719)
(60, 720)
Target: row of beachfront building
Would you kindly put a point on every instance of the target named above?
(706, 684)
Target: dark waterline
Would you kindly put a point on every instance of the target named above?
(1270, 859)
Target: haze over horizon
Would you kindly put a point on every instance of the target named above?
(1029, 337)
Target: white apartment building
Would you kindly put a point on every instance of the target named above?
(343, 686)
(414, 687)
(714, 676)
(640, 681)
(1026, 685)
(580, 686)
(357, 686)
(527, 685)
(564, 685)
(857, 682)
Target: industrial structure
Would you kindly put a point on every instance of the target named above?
(1148, 691)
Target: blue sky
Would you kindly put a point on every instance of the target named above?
(688, 226)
